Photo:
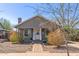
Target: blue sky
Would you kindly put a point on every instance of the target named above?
(12, 11)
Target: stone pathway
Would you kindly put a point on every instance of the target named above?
(37, 48)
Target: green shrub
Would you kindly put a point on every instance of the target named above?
(77, 36)
(45, 40)
(15, 37)
(72, 33)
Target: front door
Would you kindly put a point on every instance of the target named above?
(36, 35)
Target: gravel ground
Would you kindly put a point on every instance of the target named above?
(7, 47)
(73, 48)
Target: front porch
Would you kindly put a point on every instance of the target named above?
(34, 35)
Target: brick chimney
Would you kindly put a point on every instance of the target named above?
(19, 20)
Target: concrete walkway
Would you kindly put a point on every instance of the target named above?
(37, 48)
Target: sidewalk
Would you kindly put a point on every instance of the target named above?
(38, 54)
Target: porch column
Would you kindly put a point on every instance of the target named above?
(40, 34)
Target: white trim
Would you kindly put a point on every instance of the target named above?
(40, 34)
(33, 35)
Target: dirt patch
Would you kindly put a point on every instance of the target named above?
(62, 49)
(8, 47)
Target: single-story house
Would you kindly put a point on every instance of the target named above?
(36, 28)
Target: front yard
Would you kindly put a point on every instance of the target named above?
(8, 47)
(27, 49)
(73, 48)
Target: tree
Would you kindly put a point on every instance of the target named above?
(6, 24)
(65, 14)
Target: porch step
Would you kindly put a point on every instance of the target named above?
(37, 41)
(37, 48)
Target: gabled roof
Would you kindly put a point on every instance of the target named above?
(34, 22)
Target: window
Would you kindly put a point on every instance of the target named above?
(26, 32)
